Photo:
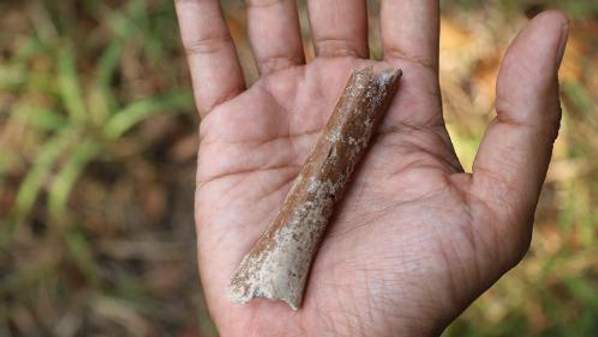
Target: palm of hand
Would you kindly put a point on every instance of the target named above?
(404, 235)
(415, 239)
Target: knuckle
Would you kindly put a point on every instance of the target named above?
(207, 44)
(276, 63)
(263, 3)
(394, 52)
(338, 47)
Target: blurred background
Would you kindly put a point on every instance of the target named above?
(98, 147)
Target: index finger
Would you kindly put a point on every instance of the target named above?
(215, 70)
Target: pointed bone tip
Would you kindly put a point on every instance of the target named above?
(292, 304)
(386, 75)
(390, 75)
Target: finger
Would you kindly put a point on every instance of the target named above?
(410, 32)
(274, 33)
(513, 158)
(339, 28)
(215, 69)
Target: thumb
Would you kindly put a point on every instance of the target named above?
(512, 161)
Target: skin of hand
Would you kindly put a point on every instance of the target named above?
(416, 239)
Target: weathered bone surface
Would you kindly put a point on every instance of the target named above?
(277, 266)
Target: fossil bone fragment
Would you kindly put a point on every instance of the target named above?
(277, 266)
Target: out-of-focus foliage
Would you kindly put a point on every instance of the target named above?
(96, 234)
(95, 114)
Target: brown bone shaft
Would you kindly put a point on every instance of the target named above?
(277, 266)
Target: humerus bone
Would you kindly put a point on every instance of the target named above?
(277, 266)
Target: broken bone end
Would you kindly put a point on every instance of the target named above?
(242, 293)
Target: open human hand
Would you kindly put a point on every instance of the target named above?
(415, 239)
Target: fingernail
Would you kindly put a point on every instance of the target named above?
(563, 43)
